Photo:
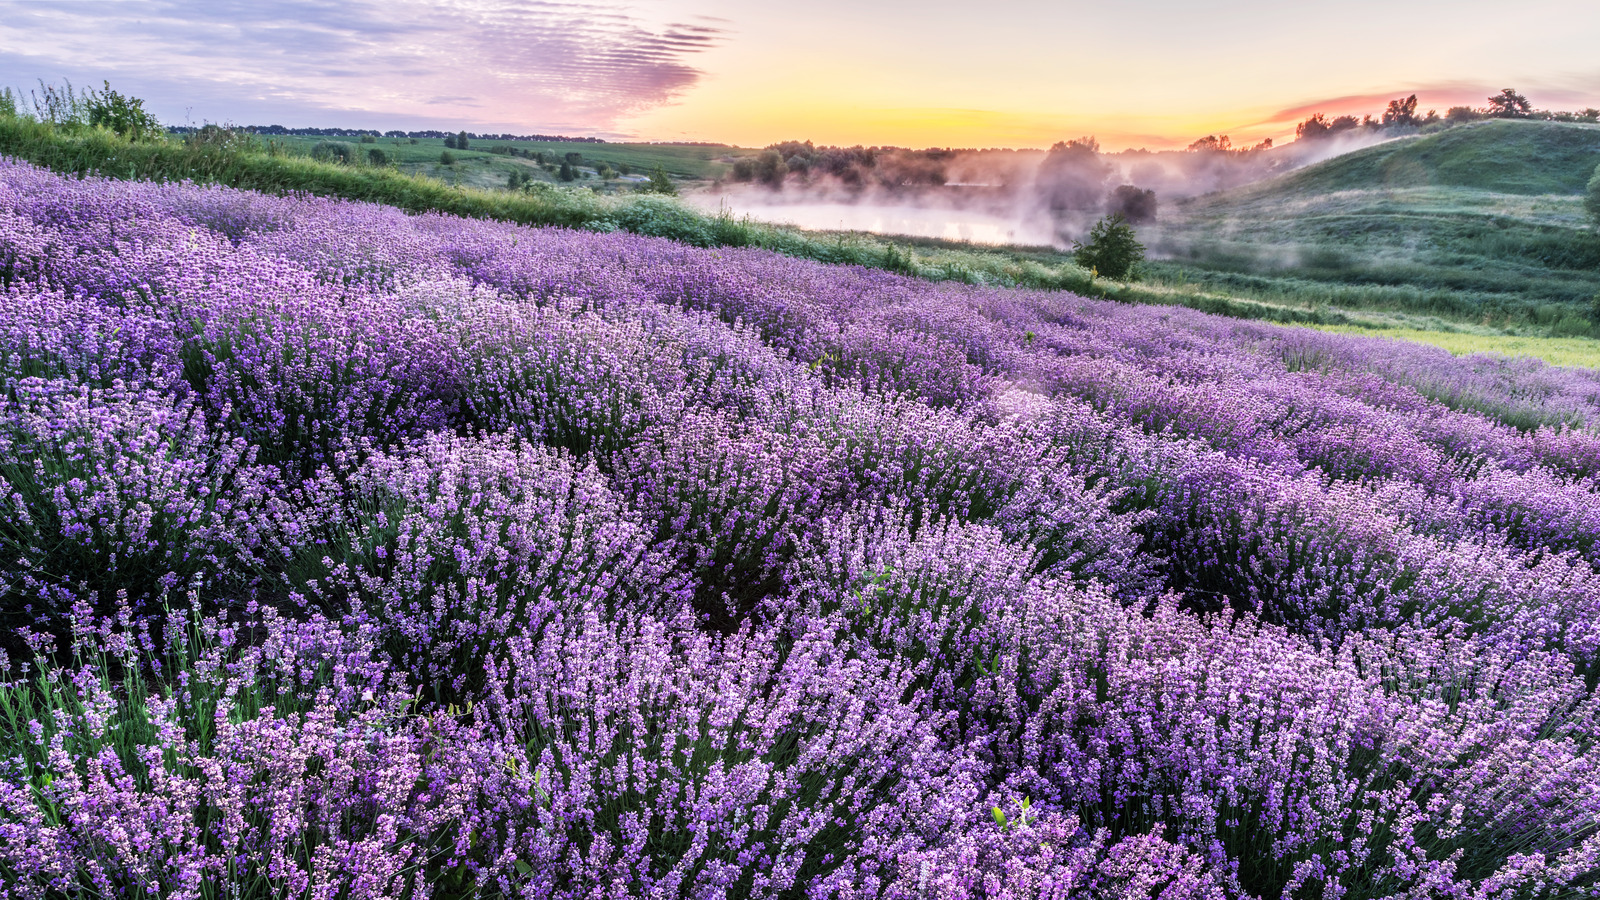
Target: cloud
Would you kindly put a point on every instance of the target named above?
(539, 65)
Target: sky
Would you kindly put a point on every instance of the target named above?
(913, 73)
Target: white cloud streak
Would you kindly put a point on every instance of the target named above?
(517, 65)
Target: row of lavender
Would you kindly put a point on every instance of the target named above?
(356, 554)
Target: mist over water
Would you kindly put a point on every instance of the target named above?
(1031, 198)
(928, 218)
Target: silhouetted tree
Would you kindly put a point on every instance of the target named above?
(567, 172)
(1132, 203)
(1312, 129)
(1073, 176)
(1212, 143)
(1112, 249)
(1508, 104)
(461, 141)
(1341, 124)
(1401, 112)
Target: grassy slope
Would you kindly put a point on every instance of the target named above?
(1482, 223)
(1499, 155)
(687, 163)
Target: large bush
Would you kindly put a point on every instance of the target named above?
(1112, 249)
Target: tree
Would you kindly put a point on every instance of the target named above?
(377, 157)
(1072, 176)
(1212, 144)
(771, 169)
(450, 141)
(333, 151)
(1508, 104)
(1112, 250)
(1312, 129)
(1401, 112)
(1135, 205)
(447, 158)
(659, 183)
(461, 141)
(567, 172)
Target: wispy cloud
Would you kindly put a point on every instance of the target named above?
(525, 64)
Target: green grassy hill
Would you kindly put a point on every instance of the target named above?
(1499, 155)
(480, 167)
(1482, 223)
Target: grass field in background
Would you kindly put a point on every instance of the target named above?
(1557, 351)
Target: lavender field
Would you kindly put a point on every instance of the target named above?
(347, 553)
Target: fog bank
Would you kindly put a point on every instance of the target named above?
(1030, 197)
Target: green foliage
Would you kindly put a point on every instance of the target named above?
(1592, 199)
(447, 158)
(377, 157)
(368, 139)
(60, 106)
(659, 183)
(1112, 249)
(334, 151)
(1508, 104)
(227, 140)
(462, 143)
(8, 103)
(567, 172)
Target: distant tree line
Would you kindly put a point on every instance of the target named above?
(360, 132)
(1402, 116)
(858, 166)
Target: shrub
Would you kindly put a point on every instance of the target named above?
(334, 151)
(368, 139)
(1112, 250)
(447, 158)
(124, 115)
(1136, 205)
(377, 157)
(659, 183)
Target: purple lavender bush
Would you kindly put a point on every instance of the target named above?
(346, 553)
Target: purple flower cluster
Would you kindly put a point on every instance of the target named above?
(347, 553)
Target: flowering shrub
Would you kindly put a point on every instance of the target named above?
(353, 554)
